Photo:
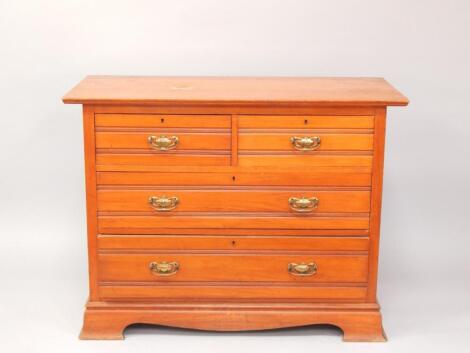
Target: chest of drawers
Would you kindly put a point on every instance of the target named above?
(233, 204)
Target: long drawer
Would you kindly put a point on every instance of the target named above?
(149, 224)
(237, 177)
(276, 293)
(199, 242)
(233, 200)
(232, 267)
(143, 160)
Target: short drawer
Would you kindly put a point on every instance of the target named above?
(304, 142)
(301, 201)
(162, 121)
(231, 267)
(162, 141)
(305, 122)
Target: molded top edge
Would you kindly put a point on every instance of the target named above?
(147, 90)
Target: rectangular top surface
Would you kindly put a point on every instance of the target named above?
(148, 90)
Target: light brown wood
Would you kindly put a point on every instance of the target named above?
(234, 200)
(376, 203)
(223, 292)
(232, 268)
(91, 208)
(250, 232)
(306, 160)
(138, 140)
(315, 176)
(235, 90)
(230, 243)
(251, 109)
(357, 321)
(160, 159)
(272, 141)
(272, 169)
(163, 121)
(233, 232)
(234, 132)
(124, 224)
(306, 122)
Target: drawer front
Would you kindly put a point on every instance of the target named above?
(277, 293)
(317, 176)
(305, 122)
(162, 121)
(232, 268)
(130, 224)
(208, 242)
(306, 160)
(313, 141)
(301, 201)
(305, 141)
(162, 159)
(143, 140)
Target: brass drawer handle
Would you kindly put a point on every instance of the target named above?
(306, 143)
(164, 268)
(163, 143)
(302, 269)
(303, 204)
(163, 203)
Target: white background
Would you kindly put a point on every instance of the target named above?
(421, 46)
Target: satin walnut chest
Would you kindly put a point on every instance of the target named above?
(233, 204)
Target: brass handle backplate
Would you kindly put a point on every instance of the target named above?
(163, 143)
(306, 143)
(303, 204)
(163, 203)
(164, 268)
(302, 269)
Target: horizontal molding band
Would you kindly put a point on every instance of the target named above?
(232, 284)
(250, 232)
(230, 188)
(323, 170)
(192, 130)
(302, 153)
(227, 152)
(102, 151)
(292, 215)
(305, 131)
(233, 306)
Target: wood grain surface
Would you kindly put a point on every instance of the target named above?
(234, 90)
(233, 200)
(232, 268)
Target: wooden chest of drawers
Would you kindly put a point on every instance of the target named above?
(233, 203)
